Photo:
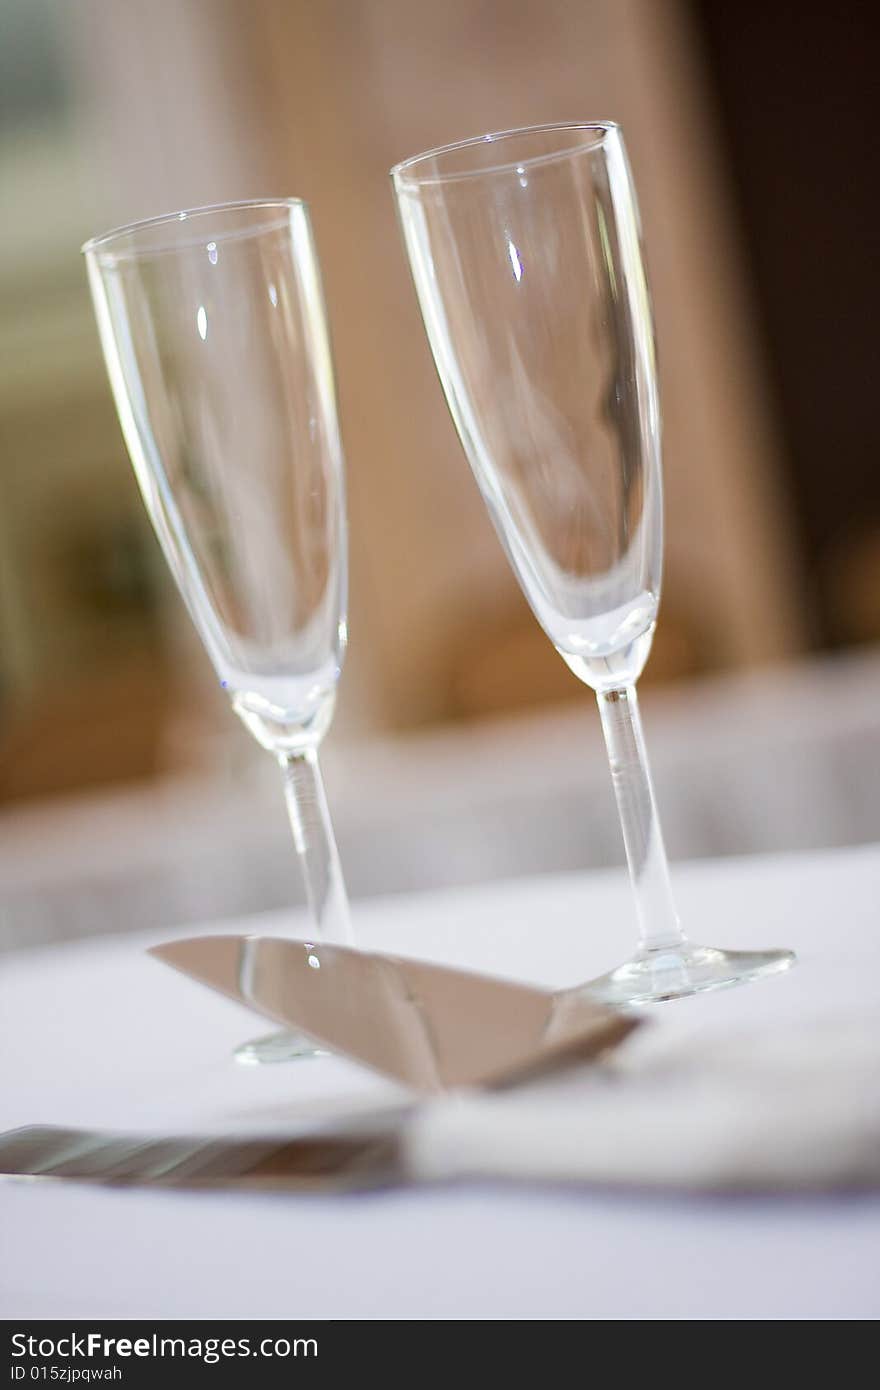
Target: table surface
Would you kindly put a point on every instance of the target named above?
(97, 1033)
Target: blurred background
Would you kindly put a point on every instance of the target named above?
(463, 748)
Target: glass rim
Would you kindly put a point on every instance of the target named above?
(602, 128)
(105, 239)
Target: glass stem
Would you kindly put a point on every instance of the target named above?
(659, 926)
(316, 846)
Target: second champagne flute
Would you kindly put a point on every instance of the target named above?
(213, 329)
(525, 252)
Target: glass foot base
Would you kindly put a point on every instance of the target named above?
(652, 976)
(276, 1047)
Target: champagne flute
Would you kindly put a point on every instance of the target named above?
(214, 335)
(525, 252)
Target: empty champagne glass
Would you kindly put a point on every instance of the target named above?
(525, 252)
(214, 335)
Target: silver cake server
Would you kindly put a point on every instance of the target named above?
(428, 1026)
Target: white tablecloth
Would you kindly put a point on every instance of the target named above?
(95, 1033)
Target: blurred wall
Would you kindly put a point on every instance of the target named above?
(138, 108)
(798, 104)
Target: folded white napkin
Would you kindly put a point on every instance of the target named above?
(792, 1110)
